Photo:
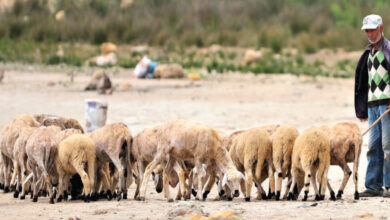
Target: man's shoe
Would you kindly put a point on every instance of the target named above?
(386, 194)
(371, 193)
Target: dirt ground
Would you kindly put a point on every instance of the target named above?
(226, 102)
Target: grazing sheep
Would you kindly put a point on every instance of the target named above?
(101, 82)
(251, 151)
(282, 146)
(63, 123)
(41, 150)
(345, 146)
(76, 154)
(310, 158)
(9, 135)
(143, 150)
(112, 142)
(20, 159)
(186, 141)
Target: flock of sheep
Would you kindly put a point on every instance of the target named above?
(43, 154)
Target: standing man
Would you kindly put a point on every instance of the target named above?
(372, 98)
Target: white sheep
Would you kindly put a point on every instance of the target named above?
(310, 158)
(282, 146)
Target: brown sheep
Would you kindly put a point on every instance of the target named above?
(310, 158)
(9, 135)
(345, 146)
(63, 123)
(75, 154)
(282, 146)
(186, 141)
(251, 150)
(112, 142)
(41, 150)
(143, 150)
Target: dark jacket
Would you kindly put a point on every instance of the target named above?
(361, 80)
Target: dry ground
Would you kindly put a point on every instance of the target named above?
(227, 102)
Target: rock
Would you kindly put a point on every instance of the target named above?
(366, 215)
(166, 71)
(126, 86)
(60, 15)
(251, 56)
(108, 47)
(193, 76)
(51, 83)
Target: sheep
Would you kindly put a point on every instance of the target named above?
(282, 146)
(63, 123)
(143, 150)
(41, 149)
(112, 142)
(75, 154)
(251, 150)
(187, 141)
(20, 158)
(345, 146)
(310, 158)
(9, 135)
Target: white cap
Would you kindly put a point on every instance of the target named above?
(371, 22)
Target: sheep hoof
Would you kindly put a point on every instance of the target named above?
(35, 199)
(356, 195)
(22, 197)
(277, 197)
(304, 198)
(339, 194)
(124, 195)
(178, 197)
(193, 192)
(229, 198)
(332, 196)
(31, 195)
(263, 196)
(16, 194)
(119, 197)
(158, 190)
(109, 195)
(52, 200)
(271, 195)
(170, 200)
(247, 199)
(1, 186)
(6, 189)
(318, 198)
(221, 193)
(322, 197)
(59, 199)
(87, 198)
(94, 197)
(205, 194)
(114, 195)
(141, 198)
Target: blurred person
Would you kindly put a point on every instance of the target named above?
(372, 99)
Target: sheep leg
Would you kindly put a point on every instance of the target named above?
(7, 171)
(209, 185)
(313, 181)
(358, 146)
(347, 174)
(182, 184)
(19, 175)
(293, 195)
(122, 185)
(141, 170)
(91, 173)
(332, 195)
(60, 185)
(307, 176)
(168, 168)
(47, 181)
(79, 167)
(279, 179)
(289, 181)
(248, 184)
(322, 179)
(147, 173)
(189, 187)
(271, 178)
(198, 167)
(35, 183)
(106, 183)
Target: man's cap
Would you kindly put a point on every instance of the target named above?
(371, 22)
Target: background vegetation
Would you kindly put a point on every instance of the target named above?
(29, 31)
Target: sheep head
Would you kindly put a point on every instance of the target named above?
(232, 180)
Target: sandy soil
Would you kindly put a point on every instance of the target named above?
(227, 102)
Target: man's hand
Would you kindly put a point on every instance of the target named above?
(365, 119)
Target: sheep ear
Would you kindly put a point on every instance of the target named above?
(224, 180)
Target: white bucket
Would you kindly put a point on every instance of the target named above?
(95, 114)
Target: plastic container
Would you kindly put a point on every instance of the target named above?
(95, 114)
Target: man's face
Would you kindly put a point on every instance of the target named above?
(374, 35)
